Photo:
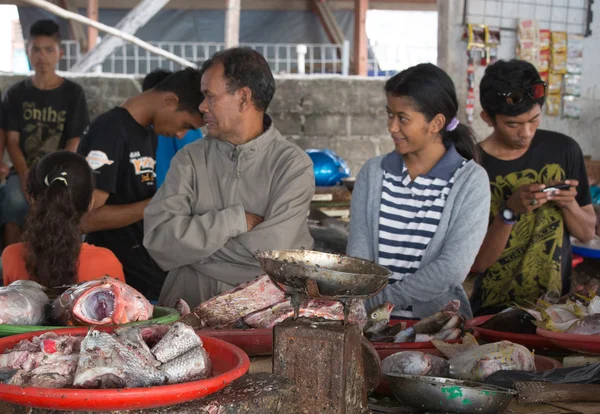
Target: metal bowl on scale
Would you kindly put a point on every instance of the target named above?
(323, 275)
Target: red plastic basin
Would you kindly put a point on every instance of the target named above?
(229, 363)
(254, 342)
(530, 341)
(389, 348)
(587, 344)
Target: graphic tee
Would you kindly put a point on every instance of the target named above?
(121, 154)
(45, 119)
(537, 257)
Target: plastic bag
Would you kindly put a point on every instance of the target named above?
(589, 374)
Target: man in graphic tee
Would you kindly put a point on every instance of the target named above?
(526, 253)
(121, 152)
(41, 114)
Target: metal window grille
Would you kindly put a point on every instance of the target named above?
(572, 16)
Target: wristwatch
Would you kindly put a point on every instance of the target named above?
(508, 216)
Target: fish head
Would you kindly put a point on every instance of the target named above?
(99, 304)
(451, 307)
(381, 312)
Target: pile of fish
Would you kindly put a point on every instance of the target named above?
(466, 361)
(261, 304)
(574, 317)
(444, 325)
(136, 356)
(98, 302)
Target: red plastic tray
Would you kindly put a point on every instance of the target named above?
(254, 342)
(229, 363)
(542, 363)
(530, 341)
(587, 344)
(407, 346)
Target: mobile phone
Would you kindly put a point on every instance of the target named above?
(556, 187)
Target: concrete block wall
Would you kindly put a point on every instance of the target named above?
(346, 115)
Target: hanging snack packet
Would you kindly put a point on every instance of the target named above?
(544, 76)
(553, 105)
(528, 51)
(571, 107)
(529, 30)
(554, 84)
(544, 61)
(559, 42)
(476, 36)
(544, 39)
(559, 62)
(572, 85)
(492, 36)
(575, 54)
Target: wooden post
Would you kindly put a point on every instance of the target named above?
(232, 24)
(92, 13)
(360, 37)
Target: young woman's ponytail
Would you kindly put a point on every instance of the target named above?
(464, 140)
(60, 187)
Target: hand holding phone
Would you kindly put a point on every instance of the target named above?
(563, 194)
(555, 187)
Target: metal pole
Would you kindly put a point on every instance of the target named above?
(92, 14)
(301, 51)
(232, 24)
(346, 58)
(59, 11)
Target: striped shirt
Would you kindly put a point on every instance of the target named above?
(410, 212)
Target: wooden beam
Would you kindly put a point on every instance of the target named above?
(327, 19)
(65, 14)
(259, 4)
(92, 13)
(132, 21)
(360, 37)
(232, 23)
(77, 31)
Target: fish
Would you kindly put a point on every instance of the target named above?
(511, 320)
(23, 302)
(474, 362)
(180, 339)
(326, 309)
(436, 322)
(105, 362)
(447, 334)
(182, 307)
(589, 325)
(378, 318)
(121, 360)
(191, 366)
(407, 335)
(228, 308)
(101, 302)
(415, 363)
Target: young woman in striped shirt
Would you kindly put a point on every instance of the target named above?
(422, 210)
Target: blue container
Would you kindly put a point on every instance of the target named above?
(329, 168)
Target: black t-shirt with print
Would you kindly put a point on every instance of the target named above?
(121, 153)
(45, 119)
(537, 258)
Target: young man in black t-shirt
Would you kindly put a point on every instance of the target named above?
(120, 149)
(42, 114)
(527, 250)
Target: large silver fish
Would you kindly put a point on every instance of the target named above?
(23, 303)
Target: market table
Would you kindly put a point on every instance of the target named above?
(251, 394)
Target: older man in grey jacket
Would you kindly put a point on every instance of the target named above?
(242, 189)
